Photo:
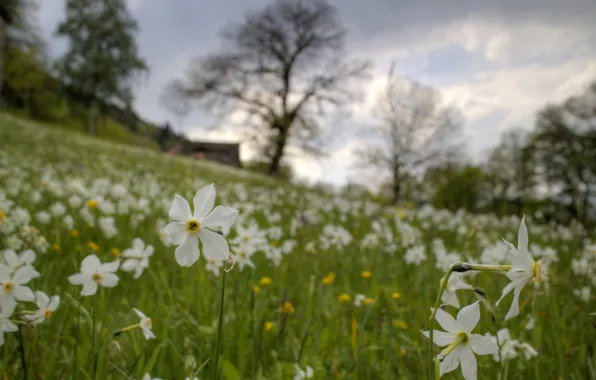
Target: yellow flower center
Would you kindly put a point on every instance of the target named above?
(8, 287)
(92, 204)
(245, 238)
(192, 226)
(244, 255)
(538, 271)
(462, 337)
(3, 215)
(47, 314)
(97, 277)
(147, 323)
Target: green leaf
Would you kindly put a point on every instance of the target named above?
(154, 357)
(229, 371)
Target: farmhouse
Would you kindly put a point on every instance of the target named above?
(224, 153)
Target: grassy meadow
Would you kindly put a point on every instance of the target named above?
(326, 286)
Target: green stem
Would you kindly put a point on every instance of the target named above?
(76, 347)
(93, 362)
(489, 268)
(219, 326)
(23, 362)
(437, 368)
(431, 320)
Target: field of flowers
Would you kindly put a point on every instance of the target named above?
(98, 278)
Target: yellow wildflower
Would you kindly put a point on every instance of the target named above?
(345, 297)
(256, 288)
(400, 324)
(115, 252)
(366, 274)
(93, 246)
(328, 280)
(396, 295)
(288, 308)
(268, 326)
(265, 281)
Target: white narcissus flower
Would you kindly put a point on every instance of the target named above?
(456, 282)
(148, 377)
(12, 287)
(145, 324)
(46, 306)
(467, 344)
(94, 273)
(137, 258)
(523, 269)
(303, 374)
(6, 326)
(188, 228)
(25, 258)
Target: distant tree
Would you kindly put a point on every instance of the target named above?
(15, 26)
(285, 171)
(465, 188)
(510, 168)
(414, 130)
(102, 60)
(284, 68)
(164, 135)
(564, 146)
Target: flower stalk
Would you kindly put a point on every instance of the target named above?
(219, 327)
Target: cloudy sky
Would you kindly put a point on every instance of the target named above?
(497, 60)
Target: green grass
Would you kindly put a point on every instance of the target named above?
(107, 129)
(41, 166)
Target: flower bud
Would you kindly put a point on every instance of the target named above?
(190, 365)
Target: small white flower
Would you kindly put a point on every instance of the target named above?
(523, 269)
(25, 258)
(43, 217)
(455, 283)
(187, 228)
(6, 326)
(301, 374)
(146, 324)
(12, 287)
(94, 273)
(469, 344)
(148, 377)
(137, 258)
(46, 306)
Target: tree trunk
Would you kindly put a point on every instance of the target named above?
(92, 117)
(585, 207)
(279, 152)
(3, 31)
(396, 183)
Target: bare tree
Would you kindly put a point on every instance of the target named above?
(284, 69)
(413, 132)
